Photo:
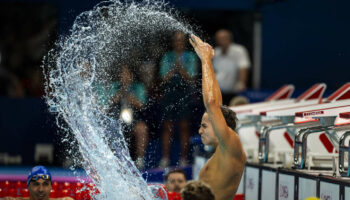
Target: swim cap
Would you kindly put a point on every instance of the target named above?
(38, 171)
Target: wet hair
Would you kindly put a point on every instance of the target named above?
(197, 190)
(181, 171)
(230, 117)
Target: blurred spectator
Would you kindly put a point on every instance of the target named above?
(129, 99)
(231, 64)
(126, 98)
(178, 70)
(197, 190)
(28, 32)
(175, 180)
(147, 70)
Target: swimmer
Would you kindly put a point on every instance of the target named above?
(224, 169)
(39, 185)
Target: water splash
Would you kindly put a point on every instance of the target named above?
(100, 40)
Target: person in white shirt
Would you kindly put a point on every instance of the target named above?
(231, 64)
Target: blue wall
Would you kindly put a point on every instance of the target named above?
(23, 123)
(305, 42)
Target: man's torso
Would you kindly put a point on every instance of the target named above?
(223, 174)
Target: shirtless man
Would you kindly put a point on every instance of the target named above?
(224, 169)
(39, 185)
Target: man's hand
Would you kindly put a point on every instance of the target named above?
(203, 50)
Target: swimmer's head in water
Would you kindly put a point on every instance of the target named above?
(39, 183)
(38, 172)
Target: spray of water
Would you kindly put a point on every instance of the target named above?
(99, 41)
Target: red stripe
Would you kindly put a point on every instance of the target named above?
(301, 114)
(289, 139)
(283, 93)
(336, 94)
(275, 94)
(326, 143)
(318, 94)
(345, 115)
(312, 94)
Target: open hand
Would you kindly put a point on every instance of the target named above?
(203, 50)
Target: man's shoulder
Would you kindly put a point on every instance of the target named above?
(230, 143)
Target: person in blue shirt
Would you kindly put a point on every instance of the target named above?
(178, 70)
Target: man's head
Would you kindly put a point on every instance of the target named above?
(223, 38)
(206, 130)
(175, 180)
(39, 183)
(179, 41)
(126, 76)
(197, 190)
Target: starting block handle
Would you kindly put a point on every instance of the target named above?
(263, 145)
(264, 140)
(299, 148)
(342, 149)
(301, 143)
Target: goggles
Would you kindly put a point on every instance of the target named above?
(42, 176)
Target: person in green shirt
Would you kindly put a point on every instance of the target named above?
(178, 70)
(126, 98)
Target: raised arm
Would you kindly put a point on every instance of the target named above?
(211, 93)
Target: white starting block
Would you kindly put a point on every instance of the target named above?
(332, 139)
(265, 181)
(250, 129)
(320, 143)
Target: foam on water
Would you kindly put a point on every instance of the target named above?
(99, 40)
